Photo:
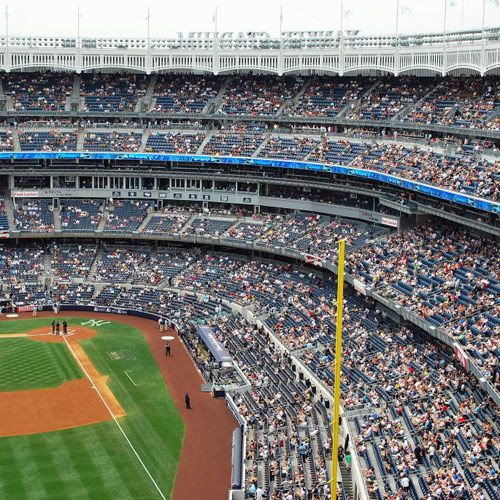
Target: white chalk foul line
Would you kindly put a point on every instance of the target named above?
(130, 378)
(116, 421)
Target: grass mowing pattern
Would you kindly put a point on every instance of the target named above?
(26, 325)
(94, 461)
(28, 364)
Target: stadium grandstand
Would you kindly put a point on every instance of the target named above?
(207, 181)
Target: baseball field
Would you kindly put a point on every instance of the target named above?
(85, 416)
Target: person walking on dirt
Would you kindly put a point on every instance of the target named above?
(167, 349)
(53, 327)
(187, 401)
(65, 328)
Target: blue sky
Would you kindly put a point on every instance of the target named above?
(128, 18)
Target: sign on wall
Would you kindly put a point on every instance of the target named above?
(24, 194)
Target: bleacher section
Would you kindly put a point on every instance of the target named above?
(35, 216)
(174, 142)
(126, 216)
(80, 215)
(48, 141)
(112, 141)
(413, 412)
(112, 93)
(184, 94)
(38, 91)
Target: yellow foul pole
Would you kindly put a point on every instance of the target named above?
(337, 367)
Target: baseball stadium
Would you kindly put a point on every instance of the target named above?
(252, 265)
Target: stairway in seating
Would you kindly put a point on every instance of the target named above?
(15, 139)
(214, 104)
(408, 109)
(47, 263)
(97, 259)
(208, 135)
(145, 103)
(346, 480)
(355, 103)
(9, 211)
(146, 220)
(187, 225)
(73, 101)
(104, 219)
(56, 212)
(261, 146)
(144, 139)
(290, 103)
(80, 139)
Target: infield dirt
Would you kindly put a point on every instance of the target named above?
(72, 404)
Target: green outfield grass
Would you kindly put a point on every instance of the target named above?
(95, 462)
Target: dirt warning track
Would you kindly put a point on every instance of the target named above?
(72, 404)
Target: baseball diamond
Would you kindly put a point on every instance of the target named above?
(57, 424)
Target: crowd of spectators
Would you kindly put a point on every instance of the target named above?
(44, 91)
(328, 96)
(427, 432)
(419, 425)
(462, 168)
(174, 142)
(459, 102)
(21, 264)
(249, 230)
(34, 216)
(126, 215)
(72, 261)
(390, 96)
(166, 222)
(447, 276)
(160, 266)
(465, 102)
(80, 215)
(184, 94)
(258, 95)
(117, 265)
(210, 226)
(238, 140)
(72, 293)
(112, 93)
(52, 140)
(289, 148)
(112, 141)
(6, 141)
(465, 174)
